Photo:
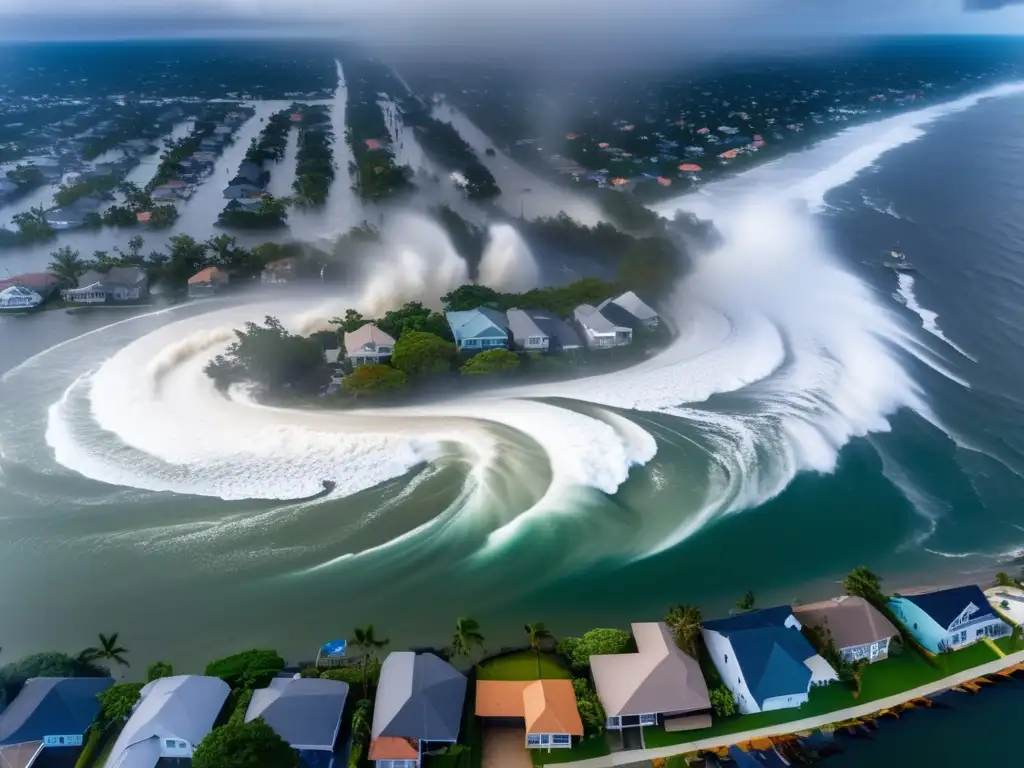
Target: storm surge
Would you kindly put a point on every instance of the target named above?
(779, 358)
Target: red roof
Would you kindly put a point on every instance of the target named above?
(296, 117)
(372, 144)
(143, 216)
(34, 280)
(690, 167)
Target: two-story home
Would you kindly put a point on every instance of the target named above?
(657, 684)
(598, 331)
(172, 716)
(630, 310)
(418, 708)
(477, 330)
(368, 344)
(949, 619)
(764, 659)
(526, 332)
(207, 282)
(120, 284)
(857, 628)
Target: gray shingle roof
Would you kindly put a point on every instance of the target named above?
(522, 326)
(591, 318)
(305, 712)
(50, 706)
(420, 696)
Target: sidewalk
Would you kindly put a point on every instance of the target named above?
(807, 724)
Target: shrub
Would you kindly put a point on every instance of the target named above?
(590, 709)
(351, 675)
(46, 664)
(722, 702)
(159, 669)
(491, 361)
(309, 672)
(244, 745)
(249, 669)
(597, 641)
(116, 703)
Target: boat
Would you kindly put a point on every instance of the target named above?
(898, 261)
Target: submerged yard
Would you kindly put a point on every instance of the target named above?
(523, 665)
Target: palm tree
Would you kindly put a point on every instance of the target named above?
(746, 603)
(66, 265)
(467, 634)
(537, 634)
(108, 650)
(684, 621)
(1005, 580)
(368, 646)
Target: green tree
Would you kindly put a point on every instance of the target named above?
(594, 642)
(722, 702)
(32, 225)
(684, 621)
(270, 356)
(413, 316)
(470, 297)
(651, 267)
(491, 361)
(368, 645)
(467, 634)
(66, 265)
(116, 704)
(419, 352)
(863, 583)
(374, 378)
(362, 717)
(537, 633)
(746, 603)
(108, 650)
(46, 664)
(244, 745)
(589, 706)
(250, 669)
(1005, 580)
(159, 669)
(352, 321)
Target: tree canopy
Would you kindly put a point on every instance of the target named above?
(270, 356)
(471, 296)
(253, 668)
(419, 352)
(46, 664)
(413, 316)
(374, 378)
(491, 361)
(861, 582)
(244, 745)
(116, 703)
(596, 641)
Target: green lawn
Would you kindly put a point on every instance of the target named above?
(595, 747)
(1010, 644)
(523, 665)
(884, 678)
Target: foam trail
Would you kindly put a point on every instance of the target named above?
(929, 319)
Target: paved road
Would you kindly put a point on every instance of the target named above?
(622, 759)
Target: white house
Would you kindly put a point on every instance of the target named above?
(119, 284)
(19, 297)
(948, 619)
(636, 311)
(172, 716)
(526, 332)
(598, 331)
(368, 344)
(764, 660)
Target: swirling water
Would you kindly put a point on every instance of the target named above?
(804, 421)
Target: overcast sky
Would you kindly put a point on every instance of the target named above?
(692, 22)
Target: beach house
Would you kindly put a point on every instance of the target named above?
(172, 716)
(657, 684)
(546, 708)
(368, 344)
(49, 715)
(598, 331)
(947, 619)
(630, 310)
(764, 659)
(418, 708)
(207, 282)
(305, 712)
(476, 330)
(857, 628)
(526, 333)
(120, 284)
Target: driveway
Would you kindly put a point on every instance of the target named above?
(505, 748)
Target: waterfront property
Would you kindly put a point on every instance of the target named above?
(659, 684)
(948, 619)
(19, 297)
(764, 660)
(51, 715)
(546, 707)
(120, 284)
(598, 331)
(305, 712)
(207, 282)
(857, 628)
(418, 708)
(172, 716)
(526, 333)
(368, 344)
(1009, 601)
(630, 310)
(478, 329)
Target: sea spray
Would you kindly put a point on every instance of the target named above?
(508, 264)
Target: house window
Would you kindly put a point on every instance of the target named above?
(980, 632)
(533, 739)
(533, 341)
(648, 719)
(614, 721)
(560, 740)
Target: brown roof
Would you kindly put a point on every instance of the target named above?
(851, 620)
(658, 678)
(547, 706)
(394, 748)
(35, 280)
(208, 275)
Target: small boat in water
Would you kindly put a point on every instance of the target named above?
(898, 261)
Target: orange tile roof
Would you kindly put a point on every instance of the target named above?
(393, 748)
(207, 275)
(547, 706)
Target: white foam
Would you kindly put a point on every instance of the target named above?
(507, 263)
(929, 319)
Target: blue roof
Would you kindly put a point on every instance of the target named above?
(52, 706)
(333, 648)
(946, 605)
(771, 655)
(479, 323)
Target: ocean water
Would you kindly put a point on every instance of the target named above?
(815, 413)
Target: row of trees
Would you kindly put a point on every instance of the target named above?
(273, 139)
(314, 169)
